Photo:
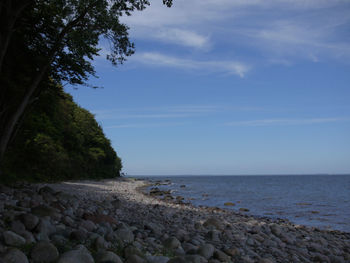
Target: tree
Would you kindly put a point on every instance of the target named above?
(56, 40)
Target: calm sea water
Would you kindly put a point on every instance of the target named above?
(314, 200)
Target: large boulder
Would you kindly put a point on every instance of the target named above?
(78, 255)
(107, 256)
(13, 239)
(14, 255)
(44, 252)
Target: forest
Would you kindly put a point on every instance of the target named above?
(45, 45)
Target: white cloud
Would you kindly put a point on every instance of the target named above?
(157, 59)
(269, 122)
(145, 125)
(183, 38)
(274, 29)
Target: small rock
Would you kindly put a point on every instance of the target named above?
(206, 250)
(12, 239)
(229, 204)
(214, 222)
(88, 225)
(172, 243)
(125, 235)
(276, 230)
(30, 221)
(79, 235)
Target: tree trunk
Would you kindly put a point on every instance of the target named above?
(10, 125)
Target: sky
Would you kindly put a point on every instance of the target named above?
(230, 87)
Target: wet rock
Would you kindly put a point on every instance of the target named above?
(14, 255)
(44, 252)
(13, 239)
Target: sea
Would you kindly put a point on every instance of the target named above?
(321, 201)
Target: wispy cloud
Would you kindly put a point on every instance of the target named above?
(271, 122)
(271, 29)
(158, 59)
(183, 37)
(171, 112)
(145, 125)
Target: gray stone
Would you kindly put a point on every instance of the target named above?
(214, 222)
(195, 259)
(79, 255)
(14, 255)
(125, 235)
(44, 229)
(17, 227)
(44, 210)
(276, 230)
(223, 257)
(28, 236)
(135, 259)
(44, 252)
(157, 259)
(100, 243)
(172, 243)
(155, 228)
(88, 225)
(206, 250)
(30, 221)
(131, 250)
(12, 239)
(79, 235)
(107, 256)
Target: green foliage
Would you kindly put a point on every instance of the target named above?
(58, 141)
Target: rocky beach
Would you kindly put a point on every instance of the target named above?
(113, 221)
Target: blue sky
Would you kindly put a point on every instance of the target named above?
(230, 87)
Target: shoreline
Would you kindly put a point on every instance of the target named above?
(115, 216)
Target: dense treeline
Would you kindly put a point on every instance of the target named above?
(44, 42)
(59, 140)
